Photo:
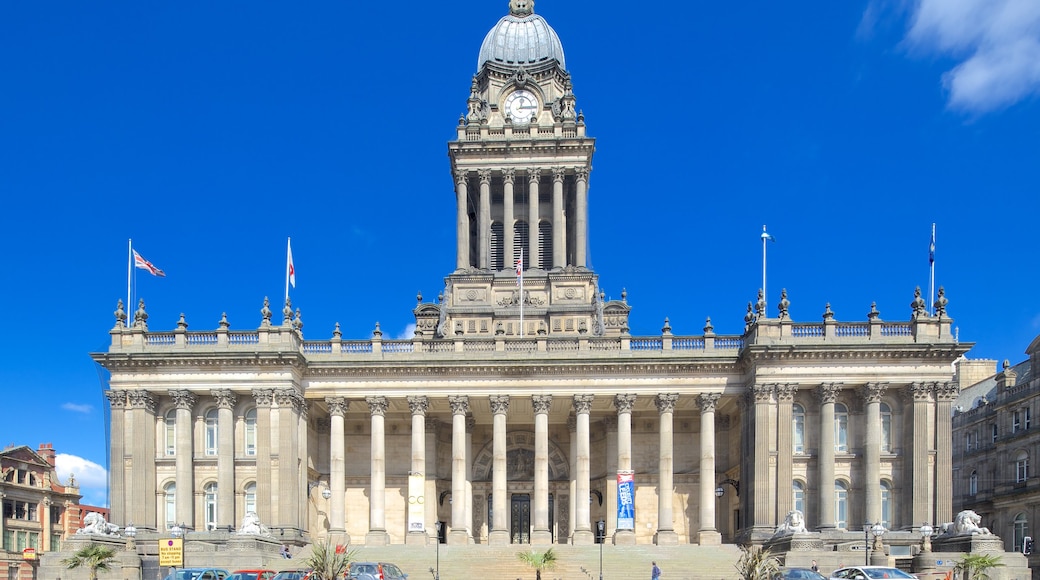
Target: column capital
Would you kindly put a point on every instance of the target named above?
(288, 398)
(665, 402)
(484, 175)
(460, 176)
(946, 392)
(827, 393)
(872, 392)
(582, 173)
(225, 398)
(499, 404)
(558, 173)
(116, 398)
(183, 399)
(418, 404)
(583, 404)
(338, 406)
(141, 400)
(459, 404)
(377, 405)
(509, 175)
(624, 402)
(263, 397)
(534, 174)
(918, 392)
(762, 393)
(541, 403)
(785, 392)
(708, 401)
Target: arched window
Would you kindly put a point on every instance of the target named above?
(886, 429)
(886, 505)
(1021, 467)
(250, 434)
(170, 498)
(210, 500)
(251, 498)
(973, 483)
(1021, 530)
(171, 433)
(799, 496)
(798, 429)
(211, 431)
(841, 504)
(841, 428)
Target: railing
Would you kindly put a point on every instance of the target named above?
(398, 346)
(807, 331)
(726, 343)
(896, 329)
(201, 338)
(852, 330)
(160, 339)
(647, 344)
(687, 343)
(355, 347)
(243, 338)
(562, 346)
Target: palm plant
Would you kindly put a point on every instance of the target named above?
(95, 558)
(756, 563)
(329, 561)
(974, 566)
(539, 561)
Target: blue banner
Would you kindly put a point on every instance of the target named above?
(626, 505)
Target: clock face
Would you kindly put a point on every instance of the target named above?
(521, 106)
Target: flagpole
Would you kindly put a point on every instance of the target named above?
(521, 275)
(931, 274)
(129, 269)
(288, 254)
(765, 236)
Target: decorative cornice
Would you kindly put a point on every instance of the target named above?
(583, 404)
(624, 403)
(183, 399)
(459, 404)
(665, 402)
(708, 401)
(418, 404)
(377, 405)
(224, 397)
(499, 404)
(338, 406)
(541, 403)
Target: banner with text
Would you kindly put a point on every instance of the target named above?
(416, 502)
(626, 505)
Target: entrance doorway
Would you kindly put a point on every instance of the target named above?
(520, 518)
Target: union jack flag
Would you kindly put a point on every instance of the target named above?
(140, 262)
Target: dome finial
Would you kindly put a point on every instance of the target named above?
(521, 7)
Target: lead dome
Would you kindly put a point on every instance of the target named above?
(521, 38)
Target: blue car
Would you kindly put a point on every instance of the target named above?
(198, 574)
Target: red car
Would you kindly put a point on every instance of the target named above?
(252, 575)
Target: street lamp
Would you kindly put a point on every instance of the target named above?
(866, 543)
(926, 537)
(437, 573)
(130, 532)
(601, 530)
(878, 530)
(177, 531)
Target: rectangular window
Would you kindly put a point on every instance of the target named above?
(19, 510)
(32, 512)
(23, 541)
(55, 542)
(1025, 418)
(8, 509)
(8, 540)
(1021, 470)
(56, 513)
(993, 431)
(967, 442)
(1016, 421)
(34, 540)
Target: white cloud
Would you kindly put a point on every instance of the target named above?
(91, 477)
(997, 42)
(408, 334)
(78, 408)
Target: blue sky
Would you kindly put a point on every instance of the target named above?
(210, 131)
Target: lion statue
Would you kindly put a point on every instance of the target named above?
(966, 523)
(251, 526)
(94, 524)
(794, 523)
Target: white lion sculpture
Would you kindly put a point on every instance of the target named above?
(251, 526)
(794, 523)
(967, 524)
(95, 525)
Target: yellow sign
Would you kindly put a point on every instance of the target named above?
(171, 552)
(29, 554)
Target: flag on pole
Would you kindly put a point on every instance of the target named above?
(767, 236)
(519, 270)
(931, 247)
(290, 270)
(143, 264)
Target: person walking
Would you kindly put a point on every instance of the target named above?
(814, 567)
(655, 572)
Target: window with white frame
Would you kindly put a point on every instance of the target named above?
(886, 505)
(798, 428)
(967, 442)
(1026, 417)
(1016, 421)
(973, 483)
(886, 428)
(1021, 525)
(1021, 467)
(251, 498)
(841, 504)
(799, 496)
(993, 432)
(841, 428)
(250, 432)
(170, 435)
(210, 505)
(212, 432)
(170, 501)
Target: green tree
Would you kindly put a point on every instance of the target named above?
(974, 566)
(539, 561)
(756, 563)
(93, 557)
(329, 561)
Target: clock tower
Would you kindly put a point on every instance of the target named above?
(521, 164)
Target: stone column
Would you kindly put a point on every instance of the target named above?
(377, 497)
(508, 260)
(140, 433)
(610, 491)
(920, 497)
(484, 219)
(533, 175)
(763, 510)
(264, 489)
(225, 456)
(559, 229)
(461, 221)
(418, 405)
(785, 449)
(185, 401)
(541, 535)
(945, 395)
(302, 520)
(827, 393)
(665, 535)
(583, 534)
(572, 469)
(872, 393)
(708, 535)
(623, 403)
(120, 509)
(459, 529)
(471, 425)
(289, 402)
(581, 220)
(338, 407)
(45, 522)
(499, 534)
(431, 479)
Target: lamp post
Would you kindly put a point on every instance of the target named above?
(878, 530)
(866, 543)
(602, 532)
(130, 532)
(926, 537)
(437, 573)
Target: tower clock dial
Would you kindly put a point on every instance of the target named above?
(521, 105)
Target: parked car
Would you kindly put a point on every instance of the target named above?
(295, 574)
(870, 573)
(375, 571)
(798, 574)
(252, 575)
(198, 574)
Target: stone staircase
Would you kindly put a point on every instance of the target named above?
(689, 562)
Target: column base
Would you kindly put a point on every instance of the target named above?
(709, 538)
(377, 538)
(666, 538)
(625, 538)
(339, 537)
(498, 538)
(541, 538)
(417, 539)
(583, 538)
(458, 538)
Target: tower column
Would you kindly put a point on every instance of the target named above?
(418, 405)
(263, 397)
(534, 260)
(459, 408)
(140, 433)
(945, 395)
(377, 498)
(623, 403)
(508, 252)
(581, 220)
(225, 457)
(499, 534)
(827, 394)
(117, 475)
(185, 401)
(541, 535)
(338, 468)
(872, 461)
(484, 219)
(471, 426)
(583, 525)
(921, 488)
(666, 535)
(763, 486)
(289, 403)
(784, 449)
(559, 228)
(708, 534)
(461, 221)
